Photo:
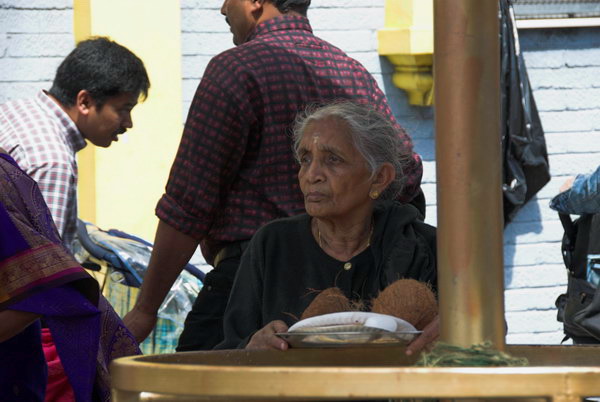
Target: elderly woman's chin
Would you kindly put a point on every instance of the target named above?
(317, 209)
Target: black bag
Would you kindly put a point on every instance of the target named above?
(579, 308)
(524, 155)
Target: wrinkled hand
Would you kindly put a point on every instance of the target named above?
(430, 334)
(265, 338)
(567, 184)
(140, 323)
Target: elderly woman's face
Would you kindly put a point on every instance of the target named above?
(333, 175)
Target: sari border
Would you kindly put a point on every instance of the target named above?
(40, 267)
(67, 279)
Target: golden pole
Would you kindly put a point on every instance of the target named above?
(468, 154)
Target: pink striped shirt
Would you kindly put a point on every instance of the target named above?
(43, 140)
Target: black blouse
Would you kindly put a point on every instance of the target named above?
(284, 267)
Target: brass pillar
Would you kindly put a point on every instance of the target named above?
(468, 155)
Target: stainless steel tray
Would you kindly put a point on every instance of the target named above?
(346, 336)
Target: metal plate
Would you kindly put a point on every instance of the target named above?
(357, 319)
(346, 336)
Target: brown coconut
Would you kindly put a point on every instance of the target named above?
(408, 299)
(330, 300)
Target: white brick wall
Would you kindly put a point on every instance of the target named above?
(563, 66)
(35, 35)
(204, 34)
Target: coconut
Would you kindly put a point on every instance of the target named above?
(330, 300)
(408, 299)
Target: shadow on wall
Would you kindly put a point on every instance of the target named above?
(527, 221)
(559, 39)
(416, 120)
(419, 124)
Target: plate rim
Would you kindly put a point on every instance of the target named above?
(382, 338)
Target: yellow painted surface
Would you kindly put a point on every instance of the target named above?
(408, 27)
(82, 25)
(407, 41)
(119, 186)
(86, 159)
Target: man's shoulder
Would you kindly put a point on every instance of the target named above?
(43, 158)
(229, 64)
(239, 56)
(19, 108)
(23, 126)
(279, 41)
(32, 137)
(37, 132)
(25, 114)
(233, 55)
(18, 101)
(241, 62)
(250, 58)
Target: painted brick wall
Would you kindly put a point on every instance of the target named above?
(35, 35)
(563, 66)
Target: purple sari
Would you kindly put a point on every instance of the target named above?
(38, 275)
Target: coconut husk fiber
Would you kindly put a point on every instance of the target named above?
(330, 300)
(408, 299)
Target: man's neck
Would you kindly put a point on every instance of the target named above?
(269, 12)
(70, 111)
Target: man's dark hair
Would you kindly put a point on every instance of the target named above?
(299, 6)
(103, 68)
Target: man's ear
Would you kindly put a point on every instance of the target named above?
(84, 102)
(259, 9)
(257, 5)
(383, 177)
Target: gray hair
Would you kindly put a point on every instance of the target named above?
(373, 134)
(299, 6)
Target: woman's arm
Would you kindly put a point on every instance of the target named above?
(582, 198)
(265, 338)
(243, 315)
(430, 334)
(13, 322)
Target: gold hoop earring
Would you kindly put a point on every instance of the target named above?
(374, 194)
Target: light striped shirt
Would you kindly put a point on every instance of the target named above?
(43, 140)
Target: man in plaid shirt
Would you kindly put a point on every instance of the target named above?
(234, 170)
(93, 93)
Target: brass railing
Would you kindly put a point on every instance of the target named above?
(351, 374)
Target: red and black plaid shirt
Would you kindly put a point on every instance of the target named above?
(234, 169)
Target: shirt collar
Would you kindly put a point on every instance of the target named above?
(281, 23)
(72, 134)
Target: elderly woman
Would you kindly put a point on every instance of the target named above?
(353, 235)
